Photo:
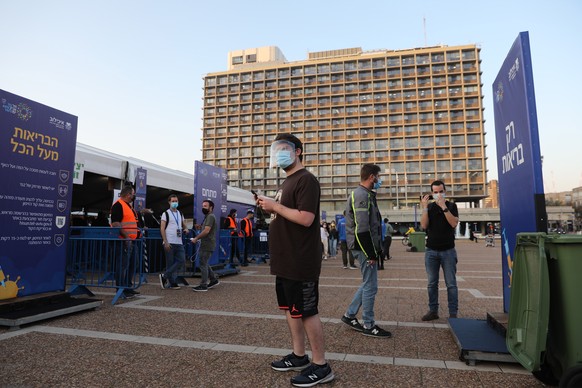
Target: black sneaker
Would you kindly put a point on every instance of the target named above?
(313, 375)
(213, 283)
(377, 332)
(174, 286)
(430, 316)
(290, 362)
(353, 323)
(127, 295)
(200, 288)
(132, 291)
(163, 281)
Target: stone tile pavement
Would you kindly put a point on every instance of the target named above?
(229, 335)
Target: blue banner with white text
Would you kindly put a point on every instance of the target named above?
(521, 189)
(210, 183)
(37, 148)
(141, 178)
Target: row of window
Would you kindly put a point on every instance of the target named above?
(413, 191)
(423, 76)
(394, 148)
(340, 133)
(340, 88)
(323, 123)
(351, 173)
(342, 66)
(344, 98)
(295, 105)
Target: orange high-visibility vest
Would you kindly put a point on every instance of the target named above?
(129, 220)
(231, 225)
(248, 228)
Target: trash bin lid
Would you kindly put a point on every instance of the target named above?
(529, 303)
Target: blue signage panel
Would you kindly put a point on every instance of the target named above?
(519, 165)
(141, 178)
(37, 156)
(210, 183)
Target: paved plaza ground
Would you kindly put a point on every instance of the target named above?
(229, 335)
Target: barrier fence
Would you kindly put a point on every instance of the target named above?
(97, 257)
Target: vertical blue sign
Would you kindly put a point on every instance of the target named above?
(37, 148)
(141, 178)
(521, 188)
(210, 183)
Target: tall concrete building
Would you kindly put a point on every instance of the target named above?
(417, 113)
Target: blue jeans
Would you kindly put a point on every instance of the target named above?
(366, 294)
(205, 270)
(332, 247)
(175, 260)
(433, 260)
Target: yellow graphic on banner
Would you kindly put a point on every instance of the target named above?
(8, 288)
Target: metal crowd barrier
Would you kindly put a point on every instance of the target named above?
(97, 257)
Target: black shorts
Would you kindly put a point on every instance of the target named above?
(298, 297)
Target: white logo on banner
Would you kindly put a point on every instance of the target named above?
(59, 239)
(60, 221)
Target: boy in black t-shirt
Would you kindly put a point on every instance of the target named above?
(295, 253)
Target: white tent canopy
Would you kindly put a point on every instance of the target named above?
(106, 163)
(112, 165)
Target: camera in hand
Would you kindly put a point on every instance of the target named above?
(430, 198)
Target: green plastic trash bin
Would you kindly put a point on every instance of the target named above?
(417, 241)
(545, 311)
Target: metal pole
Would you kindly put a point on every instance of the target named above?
(397, 192)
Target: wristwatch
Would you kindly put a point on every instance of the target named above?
(446, 210)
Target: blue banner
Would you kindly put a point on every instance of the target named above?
(141, 177)
(521, 189)
(37, 148)
(210, 183)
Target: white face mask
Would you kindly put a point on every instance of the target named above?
(437, 195)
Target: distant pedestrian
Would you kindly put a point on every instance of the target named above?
(172, 228)
(207, 238)
(341, 227)
(246, 229)
(387, 231)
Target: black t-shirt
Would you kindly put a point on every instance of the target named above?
(441, 235)
(295, 250)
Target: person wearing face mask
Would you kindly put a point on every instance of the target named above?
(439, 219)
(124, 217)
(207, 238)
(364, 238)
(295, 260)
(172, 228)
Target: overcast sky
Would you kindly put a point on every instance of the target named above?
(132, 70)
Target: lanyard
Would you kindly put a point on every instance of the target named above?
(176, 218)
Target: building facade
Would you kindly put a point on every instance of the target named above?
(417, 113)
